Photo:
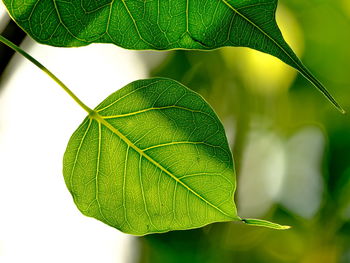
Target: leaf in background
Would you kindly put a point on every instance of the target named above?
(152, 158)
(161, 25)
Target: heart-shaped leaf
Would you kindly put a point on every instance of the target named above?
(161, 25)
(153, 157)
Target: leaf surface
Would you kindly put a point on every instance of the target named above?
(159, 25)
(153, 157)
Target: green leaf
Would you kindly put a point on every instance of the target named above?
(153, 157)
(160, 25)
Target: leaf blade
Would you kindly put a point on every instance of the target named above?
(161, 25)
(146, 180)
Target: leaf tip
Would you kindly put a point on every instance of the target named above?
(340, 108)
(314, 81)
(335, 104)
(264, 223)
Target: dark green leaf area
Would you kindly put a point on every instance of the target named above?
(160, 25)
(153, 157)
(188, 24)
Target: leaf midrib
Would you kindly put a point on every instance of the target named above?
(98, 118)
(262, 31)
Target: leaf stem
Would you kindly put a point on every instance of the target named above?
(48, 72)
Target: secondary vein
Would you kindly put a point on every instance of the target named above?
(100, 119)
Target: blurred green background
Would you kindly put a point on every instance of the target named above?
(291, 147)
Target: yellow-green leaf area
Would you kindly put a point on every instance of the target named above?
(153, 157)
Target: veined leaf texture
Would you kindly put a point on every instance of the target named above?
(174, 173)
(159, 25)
